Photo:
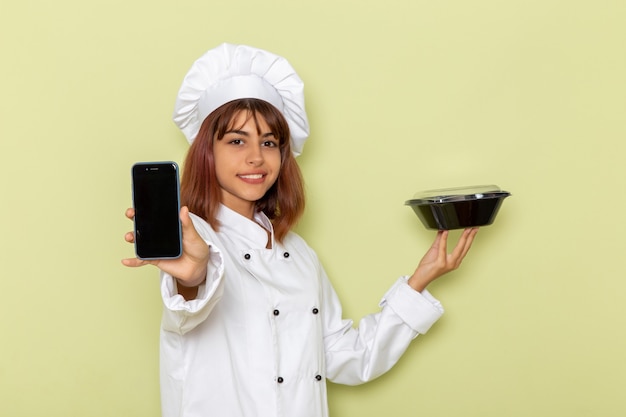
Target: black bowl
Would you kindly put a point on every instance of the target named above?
(458, 208)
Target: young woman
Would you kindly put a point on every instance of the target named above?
(251, 324)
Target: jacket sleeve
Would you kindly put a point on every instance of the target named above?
(180, 315)
(358, 355)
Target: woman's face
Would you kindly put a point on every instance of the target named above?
(247, 163)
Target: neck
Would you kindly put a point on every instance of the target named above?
(245, 209)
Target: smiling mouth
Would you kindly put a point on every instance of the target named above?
(252, 176)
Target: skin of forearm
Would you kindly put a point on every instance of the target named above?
(189, 289)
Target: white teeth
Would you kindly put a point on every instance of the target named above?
(252, 177)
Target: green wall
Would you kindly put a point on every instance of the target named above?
(402, 96)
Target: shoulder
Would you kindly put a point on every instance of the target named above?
(295, 242)
(202, 226)
(294, 239)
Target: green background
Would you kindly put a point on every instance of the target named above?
(402, 96)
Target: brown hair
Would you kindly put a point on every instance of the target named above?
(283, 203)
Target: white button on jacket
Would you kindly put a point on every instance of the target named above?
(266, 330)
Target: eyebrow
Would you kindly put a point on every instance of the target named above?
(244, 133)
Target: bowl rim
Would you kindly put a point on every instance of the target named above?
(456, 198)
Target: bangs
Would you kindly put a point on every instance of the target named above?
(254, 109)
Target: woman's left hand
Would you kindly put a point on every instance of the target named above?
(438, 261)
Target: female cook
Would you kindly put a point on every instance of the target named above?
(251, 324)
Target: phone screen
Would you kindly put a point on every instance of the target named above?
(157, 204)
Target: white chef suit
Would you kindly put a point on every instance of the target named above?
(266, 329)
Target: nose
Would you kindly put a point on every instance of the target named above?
(255, 156)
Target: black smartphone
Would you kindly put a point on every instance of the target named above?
(156, 199)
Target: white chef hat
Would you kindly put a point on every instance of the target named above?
(230, 72)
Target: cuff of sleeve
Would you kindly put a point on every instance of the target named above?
(206, 291)
(418, 310)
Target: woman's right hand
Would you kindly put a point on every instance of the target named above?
(190, 268)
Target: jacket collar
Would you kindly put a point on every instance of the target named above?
(251, 233)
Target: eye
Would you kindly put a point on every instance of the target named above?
(271, 143)
(235, 141)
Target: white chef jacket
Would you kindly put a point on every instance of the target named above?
(266, 329)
